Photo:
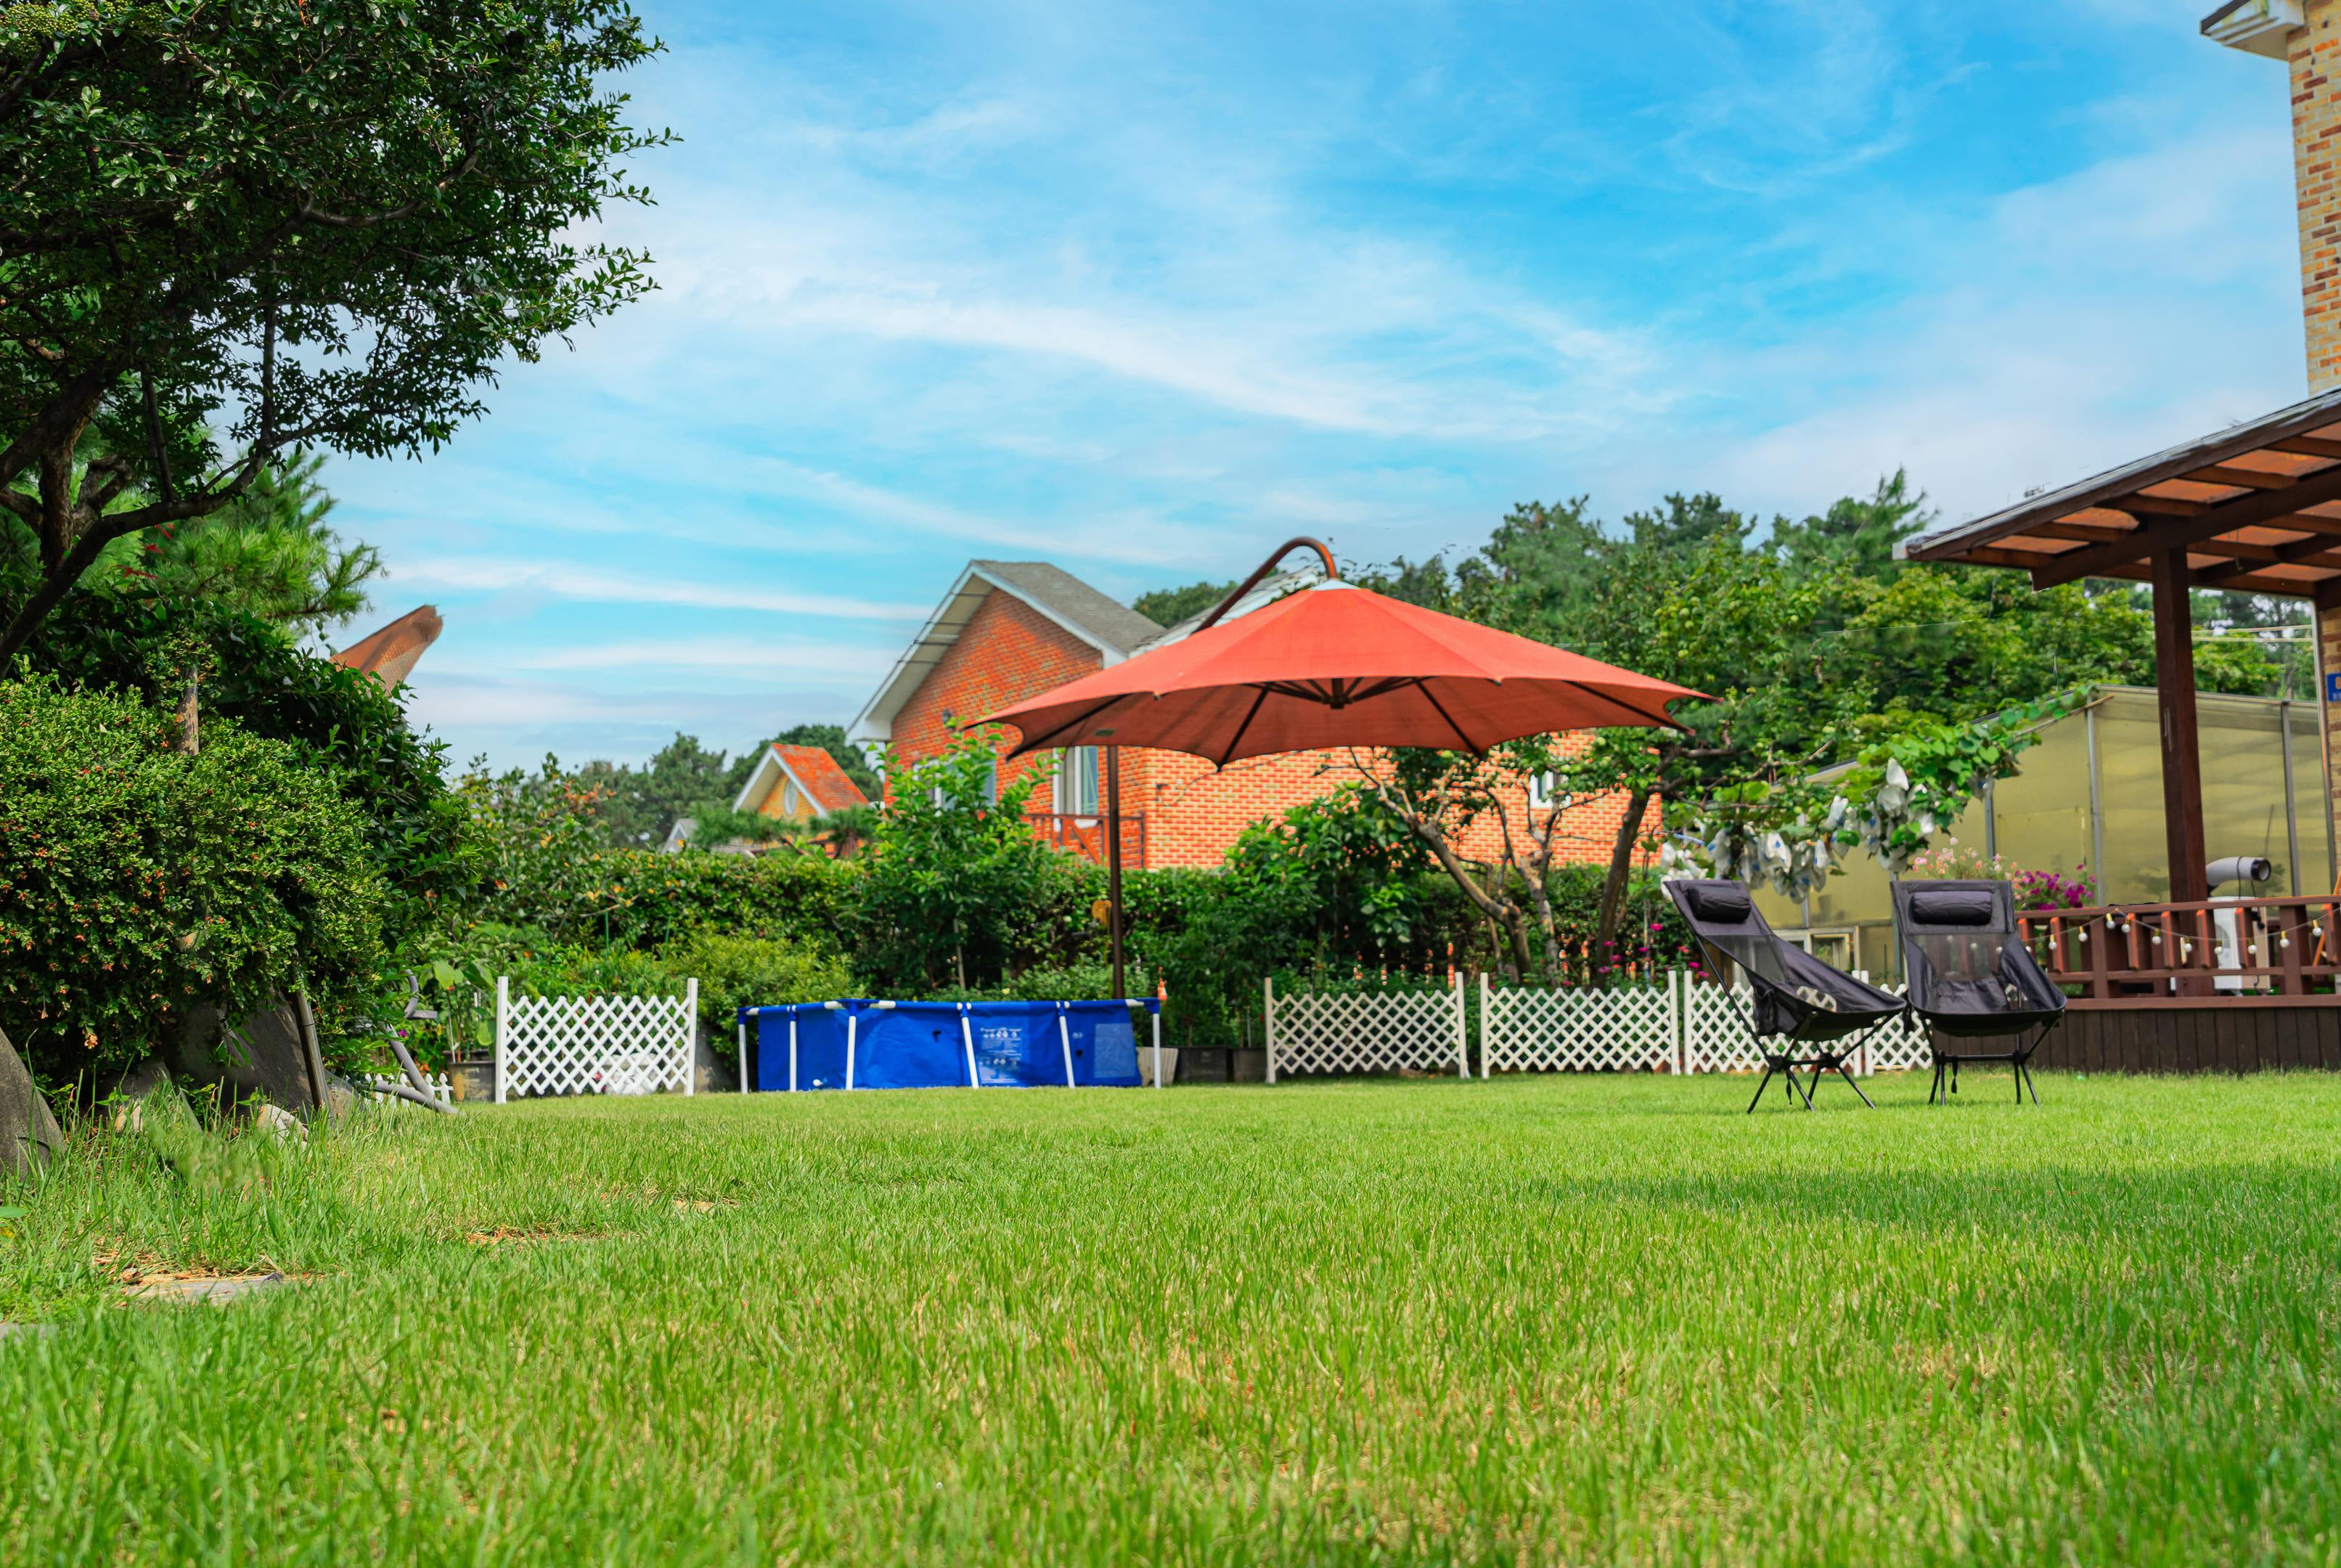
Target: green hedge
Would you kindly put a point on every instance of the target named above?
(137, 883)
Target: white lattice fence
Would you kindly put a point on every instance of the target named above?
(1900, 1046)
(1580, 1029)
(1366, 1030)
(595, 1044)
(1715, 1030)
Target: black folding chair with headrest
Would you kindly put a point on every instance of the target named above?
(1798, 1000)
(1973, 978)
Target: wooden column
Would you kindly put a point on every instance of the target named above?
(2182, 762)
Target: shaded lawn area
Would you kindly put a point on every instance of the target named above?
(1584, 1319)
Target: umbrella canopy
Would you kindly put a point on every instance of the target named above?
(1336, 666)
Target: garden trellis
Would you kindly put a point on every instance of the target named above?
(1675, 1022)
(1417, 1029)
(595, 1044)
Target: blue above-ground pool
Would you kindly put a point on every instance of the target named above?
(858, 1043)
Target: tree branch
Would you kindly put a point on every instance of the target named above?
(35, 609)
(309, 211)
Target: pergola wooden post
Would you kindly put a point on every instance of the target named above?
(2182, 757)
(2256, 508)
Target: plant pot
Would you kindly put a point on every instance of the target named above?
(1146, 1066)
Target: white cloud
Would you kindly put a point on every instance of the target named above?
(747, 658)
(487, 573)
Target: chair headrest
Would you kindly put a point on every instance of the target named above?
(1952, 906)
(1720, 904)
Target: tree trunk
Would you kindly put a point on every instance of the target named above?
(1621, 868)
(1540, 899)
(189, 715)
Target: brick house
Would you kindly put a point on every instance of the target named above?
(1008, 630)
(798, 784)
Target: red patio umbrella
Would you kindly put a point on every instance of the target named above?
(1329, 666)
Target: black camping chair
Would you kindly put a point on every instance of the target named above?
(1972, 978)
(1800, 1001)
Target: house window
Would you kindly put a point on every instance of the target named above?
(990, 786)
(1544, 792)
(1077, 782)
(788, 799)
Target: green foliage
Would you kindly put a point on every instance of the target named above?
(681, 779)
(1169, 606)
(1855, 536)
(339, 722)
(543, 849)
(236, 230)
(953, 875)
(735, 972)
(267, 553)
(137, 883)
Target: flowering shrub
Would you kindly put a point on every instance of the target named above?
(2034, 889)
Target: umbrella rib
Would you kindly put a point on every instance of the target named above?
(1432, 698)
(1663, 717)
(1041, 742)
(1237, 739)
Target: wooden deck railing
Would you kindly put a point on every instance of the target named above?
(1086, 835)
(2248, 952)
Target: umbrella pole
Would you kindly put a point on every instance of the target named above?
(1114, 861)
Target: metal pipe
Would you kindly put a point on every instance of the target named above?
(1113, 862)
(1990, 820)
(1324, 553)
(2291, 807)
(2096, 813)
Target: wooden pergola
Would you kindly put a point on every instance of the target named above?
(2256, 508)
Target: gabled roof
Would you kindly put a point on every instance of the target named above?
(2256, 507)
(813, 771)
(1114, 630)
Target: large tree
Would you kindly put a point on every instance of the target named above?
(233, 231)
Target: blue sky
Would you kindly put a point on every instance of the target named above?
(1143, 289)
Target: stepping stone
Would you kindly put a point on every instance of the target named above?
(225, 1289)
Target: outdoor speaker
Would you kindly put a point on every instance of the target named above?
(2241, 868)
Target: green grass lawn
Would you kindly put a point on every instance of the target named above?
(1588, 1319)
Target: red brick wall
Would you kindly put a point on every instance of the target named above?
(1193, 813)
(1008, 651)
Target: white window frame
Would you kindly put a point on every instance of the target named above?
(1540, 795)
(1074, 764)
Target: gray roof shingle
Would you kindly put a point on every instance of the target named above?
(1117, 625)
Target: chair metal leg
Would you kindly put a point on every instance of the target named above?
(1934, 1088)
(1800, 1089)
(1853, 1084)
(1759, 1090)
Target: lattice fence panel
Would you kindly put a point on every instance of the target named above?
(1715, 1029)
(593, 1044)
(1364, 1031)
(1579, 1029)
(1901, 1045)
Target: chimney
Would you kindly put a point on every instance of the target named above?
(2307, 36)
